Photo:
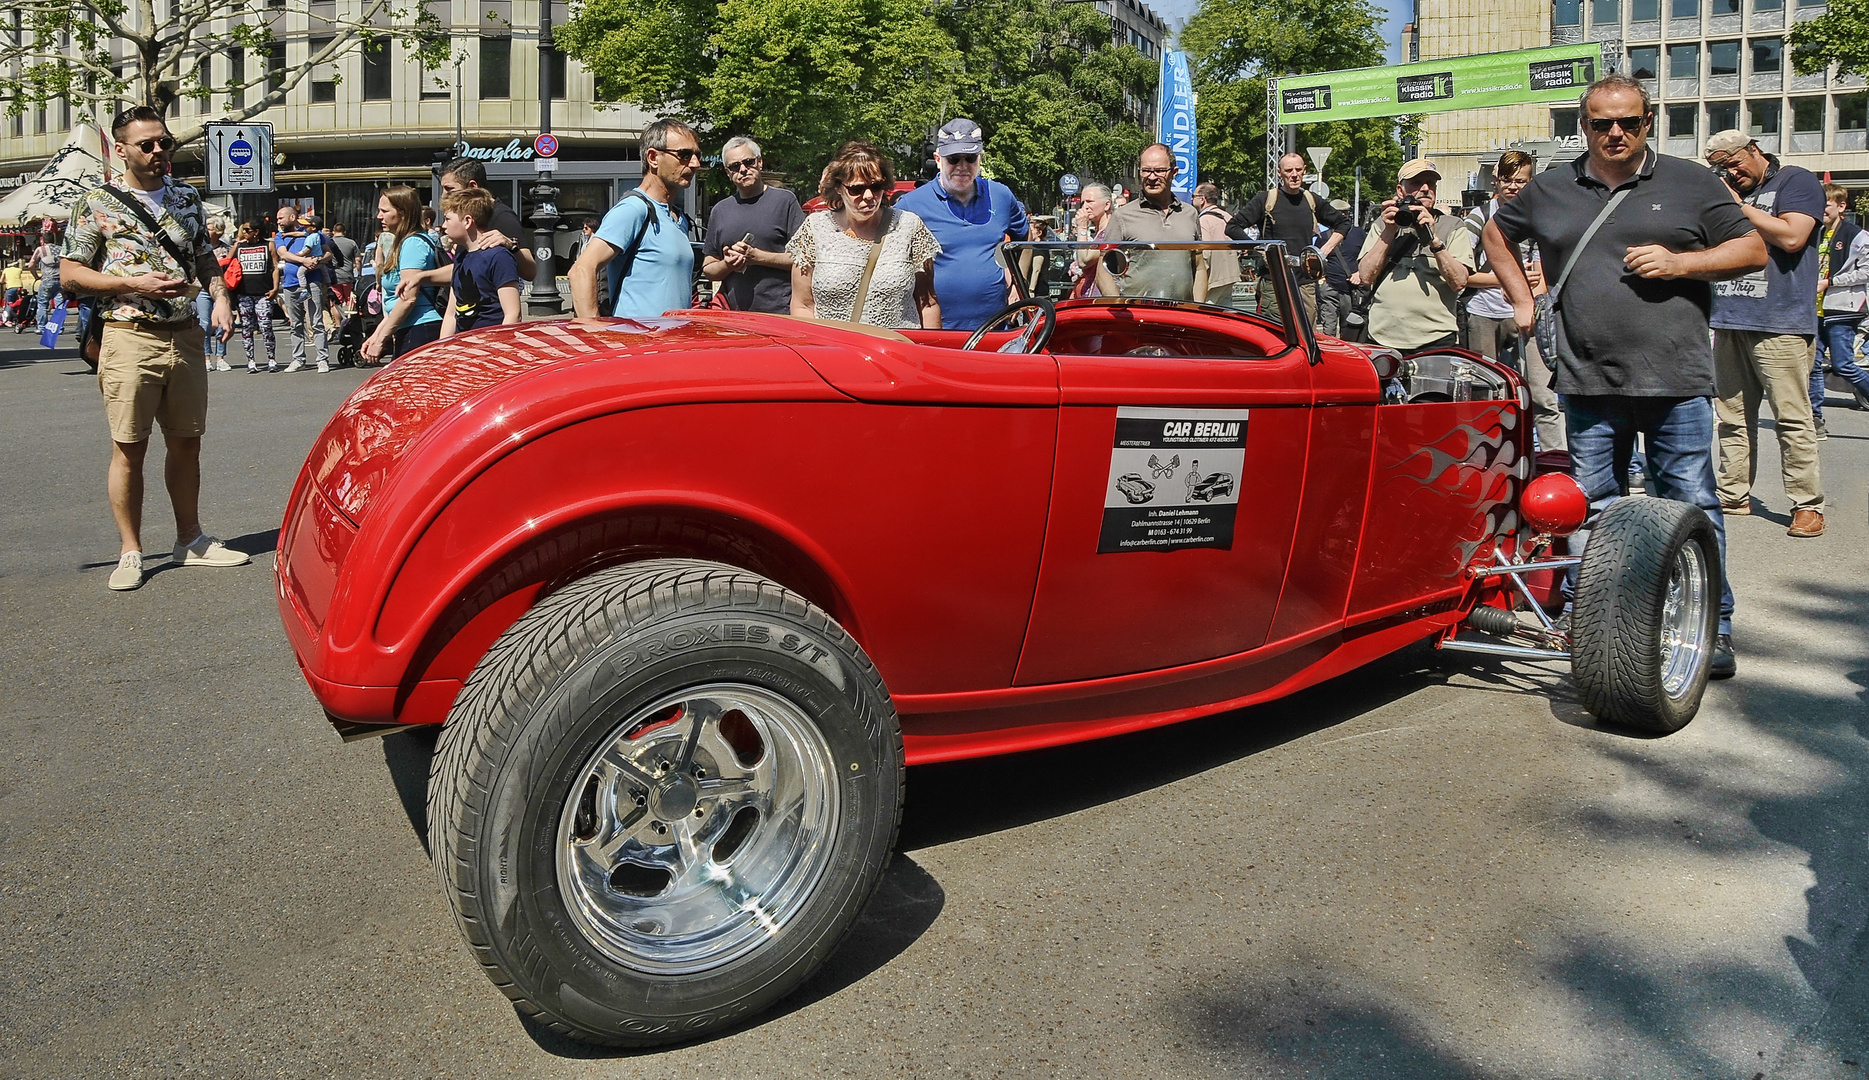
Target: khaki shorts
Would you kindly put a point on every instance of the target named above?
(153, 374)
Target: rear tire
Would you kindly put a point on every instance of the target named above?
(1645, 618)
(662, 799)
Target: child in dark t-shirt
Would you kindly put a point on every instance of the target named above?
(486, 275)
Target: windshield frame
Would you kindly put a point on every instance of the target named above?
(1295, 321)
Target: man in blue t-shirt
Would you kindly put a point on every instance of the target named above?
(300, 251)
(643, 240)
(1763, 325)
(971, 216)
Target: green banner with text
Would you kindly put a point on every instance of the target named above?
(1528, 76)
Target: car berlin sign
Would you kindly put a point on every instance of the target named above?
(239, 157)
(1175, 127)
(1528, 76)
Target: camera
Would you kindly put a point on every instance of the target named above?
(1733, 179)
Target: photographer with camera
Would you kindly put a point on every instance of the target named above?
(1418, 259)
(1763, 327)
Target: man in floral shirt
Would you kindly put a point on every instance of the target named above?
(152, 365)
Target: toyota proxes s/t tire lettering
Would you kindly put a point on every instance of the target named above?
(652, 820)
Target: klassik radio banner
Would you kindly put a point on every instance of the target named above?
(1525, 77)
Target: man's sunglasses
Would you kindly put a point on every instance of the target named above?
(688, 155)
(737, 166)
(165, 144)
(1630, 124)
(874, 188)
(962, 159)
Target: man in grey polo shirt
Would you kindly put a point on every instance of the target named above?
(1157, 216)
(1636, 355)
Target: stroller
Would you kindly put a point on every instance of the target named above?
(358, 326)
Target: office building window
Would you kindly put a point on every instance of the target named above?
(1682, 121)
(1563, 123)
(204, 76)
(1725, 7)
(376, 70)
(1768, 5)
(1852, 112)
(1765, 118)
(236, 75)
(496, 68)
(1807, 115)
(1567, 13)
(1722, 58)
(1605, 11)
(1684, 9)
(275, 67)
(1645, 62)
(1768, 55)
(323, 76)
(1684, 61)
(1644, 10)
(1722, 116)
(558, 75)
(438, 83)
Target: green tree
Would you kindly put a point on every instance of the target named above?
(1235, 44)
(799, 76)
(97, 52)
(1051, 89)
(1840, 35)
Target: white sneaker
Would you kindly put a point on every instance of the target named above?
(207, 551)
(221, 365)
(323, 368)
(296, 365)
(129, 572)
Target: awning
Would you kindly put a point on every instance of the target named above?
(79, 166)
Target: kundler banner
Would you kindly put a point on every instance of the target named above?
(1175, 126)
(1528, 76)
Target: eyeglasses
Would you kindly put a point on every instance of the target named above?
(1630, 124)
(687, 154)
(166, 144)
(961, 159)
(737, 166)
(858, 190)
(1157, 172)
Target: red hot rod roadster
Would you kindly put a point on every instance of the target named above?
(689, 592)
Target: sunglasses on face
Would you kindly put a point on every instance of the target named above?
(165, 144)
(688, 155)
(962, 159)
(857, 191)
(1630, 124)
(736, 166)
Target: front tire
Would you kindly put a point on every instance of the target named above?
(1645, 618)
(663, 797)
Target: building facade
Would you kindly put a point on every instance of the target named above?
(375, 117)
(1709, 64)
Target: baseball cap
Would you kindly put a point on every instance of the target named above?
(1339, 204)
(958, 136)
(1728, 141)
(1418, 167)
(309, 218)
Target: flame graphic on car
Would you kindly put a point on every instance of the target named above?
(1474, 464)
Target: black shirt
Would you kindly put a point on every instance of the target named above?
(1292, 218)
(1628, 335)
(1341, 263)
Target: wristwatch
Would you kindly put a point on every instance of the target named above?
(1436, 248)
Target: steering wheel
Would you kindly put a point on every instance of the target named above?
(1035, 337)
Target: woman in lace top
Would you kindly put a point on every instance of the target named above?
(830, 252)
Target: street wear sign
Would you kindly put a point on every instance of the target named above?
(1175, 127)
(239, 157)
(1527, 76)
(1174, 479)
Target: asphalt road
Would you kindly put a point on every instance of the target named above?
(1424, 869)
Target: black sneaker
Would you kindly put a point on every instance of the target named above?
(1724, 666)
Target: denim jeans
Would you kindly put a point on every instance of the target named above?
(1678, 433)
(48, 298)
(304, 306)
(204, 314)
(1837, 337)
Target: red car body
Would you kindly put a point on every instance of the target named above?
(943, 505)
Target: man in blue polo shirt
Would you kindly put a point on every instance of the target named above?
(971, 216)
(643, 241)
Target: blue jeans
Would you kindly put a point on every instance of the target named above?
(48, 296)
(1837, 337)
(1678, 433)
(204, 313)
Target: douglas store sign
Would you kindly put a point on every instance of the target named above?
(517, 150)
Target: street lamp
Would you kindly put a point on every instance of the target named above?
(545, 299)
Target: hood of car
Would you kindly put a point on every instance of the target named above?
(472, 380)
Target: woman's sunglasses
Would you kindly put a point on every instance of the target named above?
(856, 190)
(166, 144)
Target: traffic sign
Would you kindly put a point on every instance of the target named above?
(546, 145)
(1069, 184)
(1319, 155)
(239, 157)
(1321, 190)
